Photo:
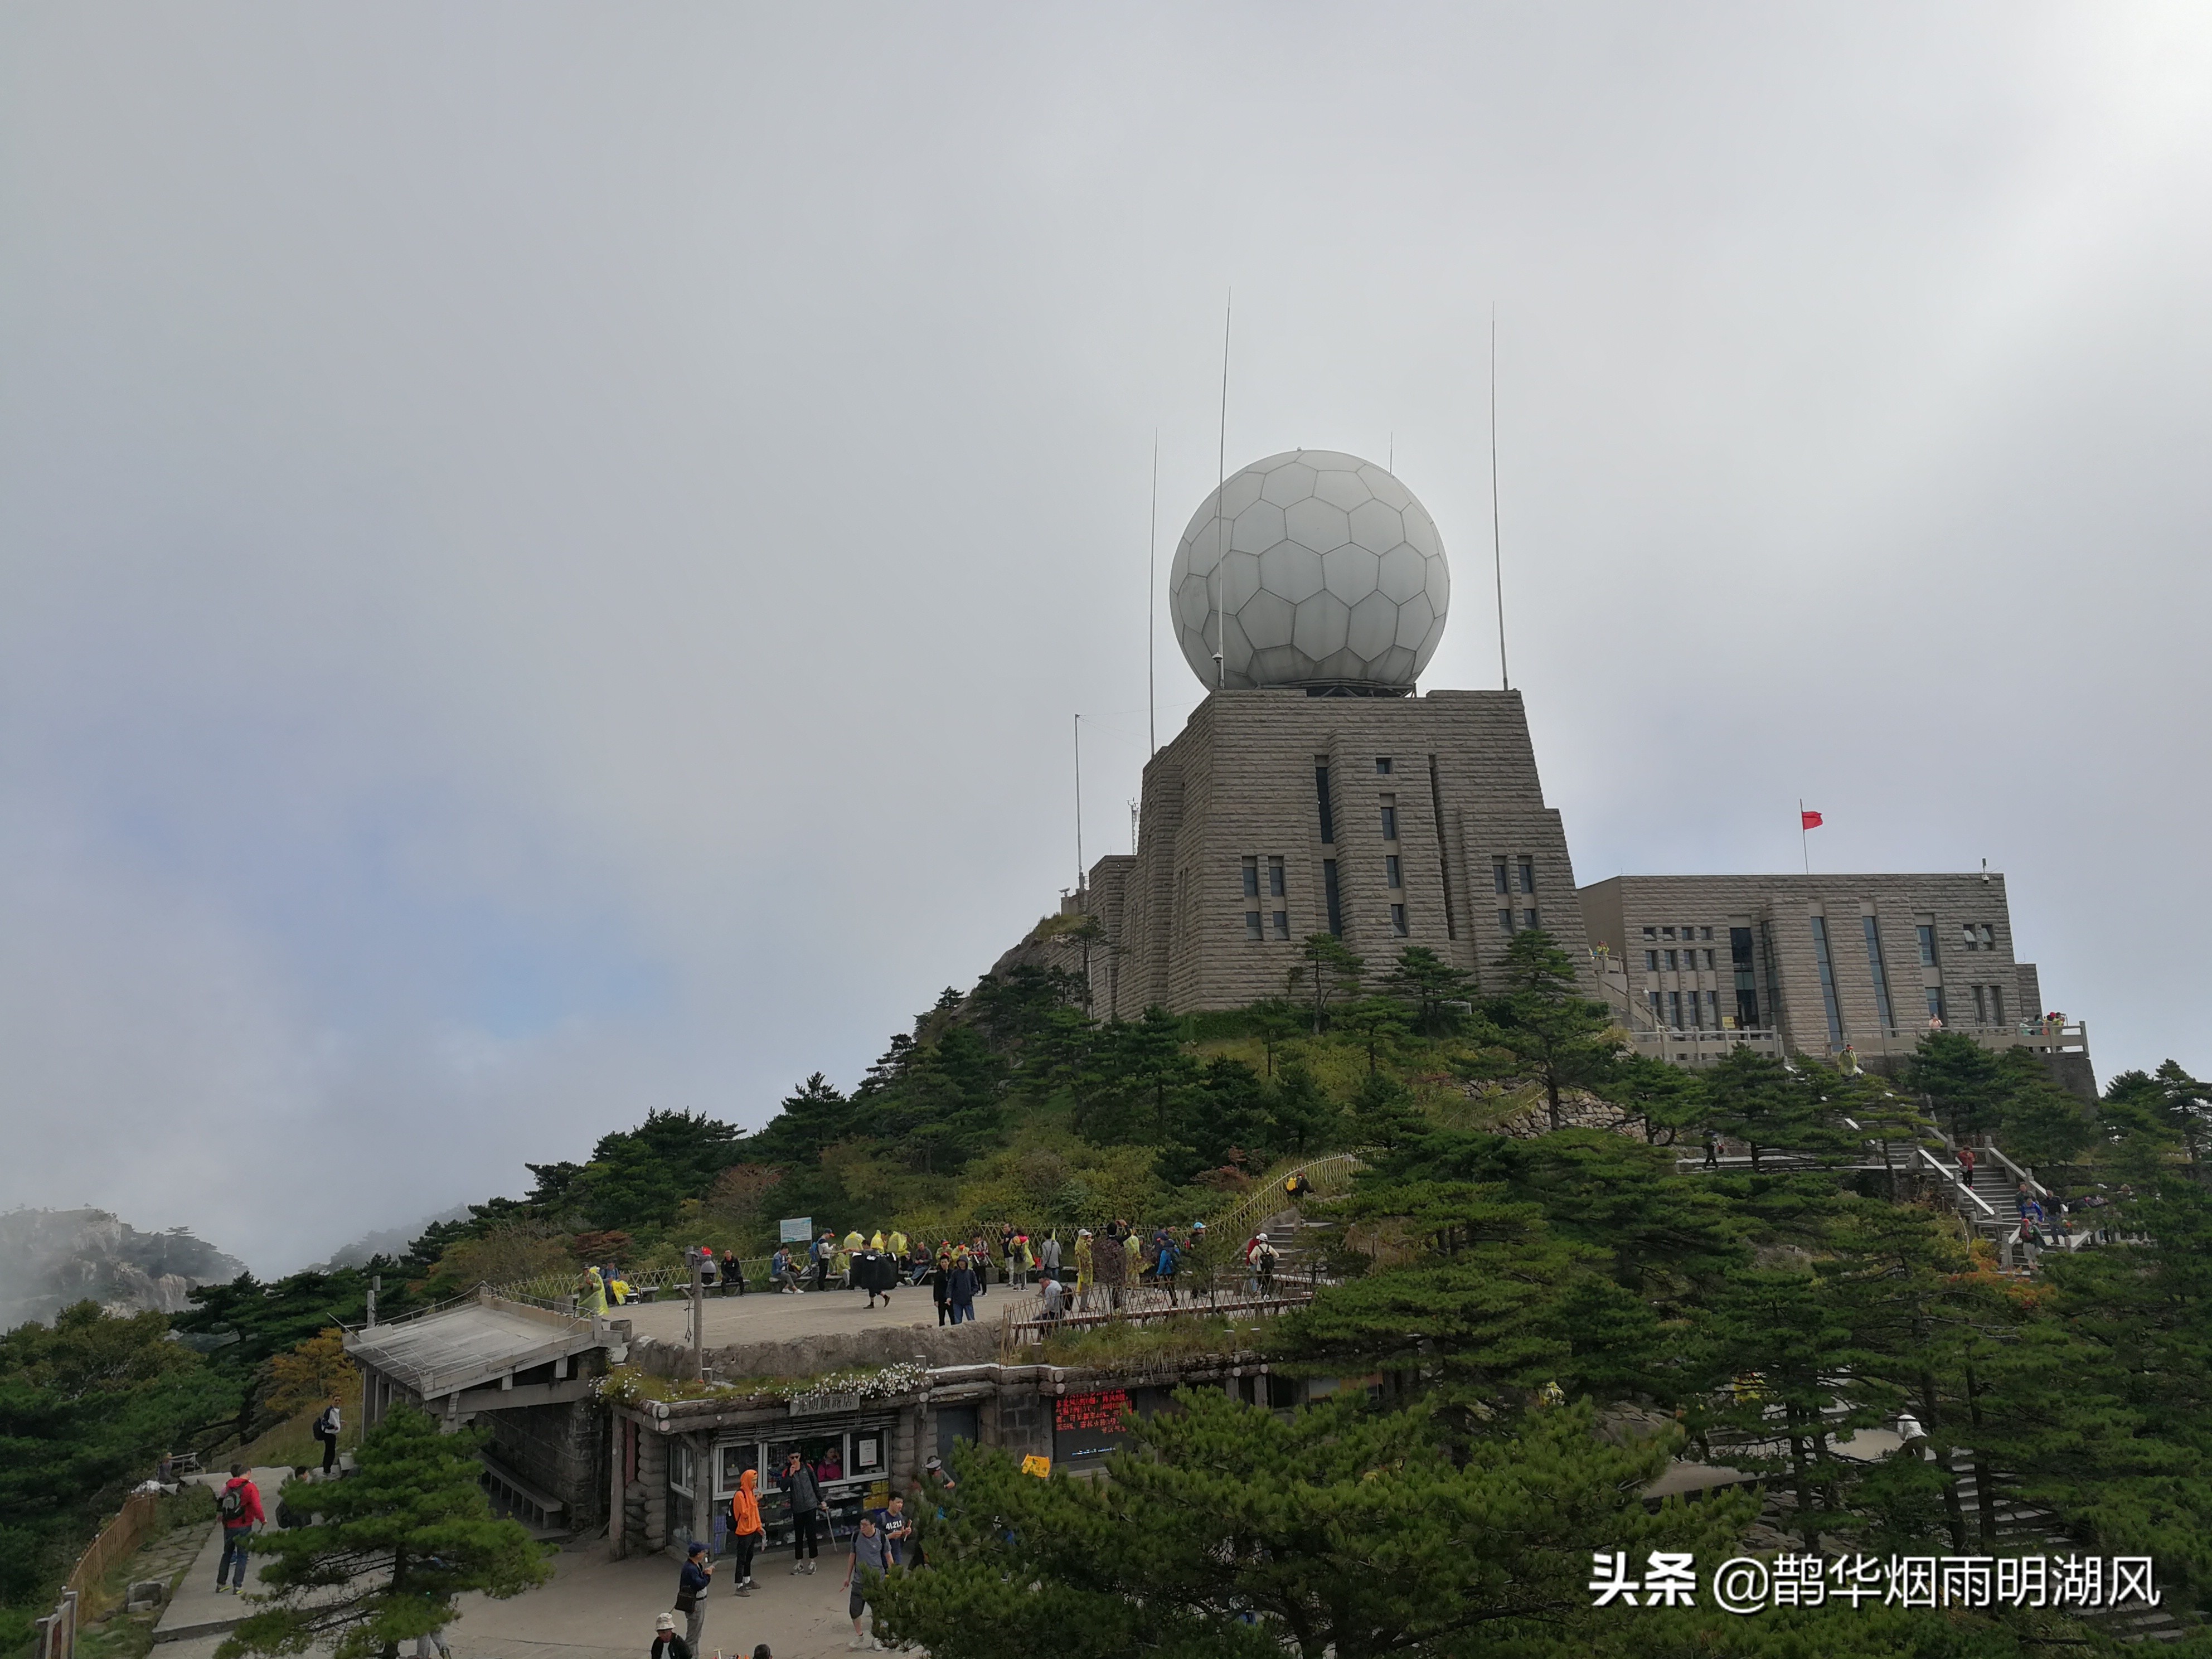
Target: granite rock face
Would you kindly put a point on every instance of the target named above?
(50, 1259)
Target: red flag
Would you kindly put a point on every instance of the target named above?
(1809, 820)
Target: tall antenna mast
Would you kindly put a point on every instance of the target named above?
(1079, 803)
(1496, 544)
(1151, 589)
(1220, 532)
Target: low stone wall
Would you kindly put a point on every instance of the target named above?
(971, 1344)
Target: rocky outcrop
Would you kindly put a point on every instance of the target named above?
(52, 1258)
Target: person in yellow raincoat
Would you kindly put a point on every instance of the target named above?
(1085, 1266)
(591, 1294)
(897, 1242)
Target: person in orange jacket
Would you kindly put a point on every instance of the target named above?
(746, 1532)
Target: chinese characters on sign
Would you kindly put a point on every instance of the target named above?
(1745, 1584)
(1101, 1413)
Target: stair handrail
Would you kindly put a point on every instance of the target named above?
(2041, 1191)
(1951, 1175)
(1329, 1173)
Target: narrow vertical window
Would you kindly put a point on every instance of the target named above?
(1529, 920)
(1394, 874)
(1276, 887)
(1713, 1009)
(1389, 818)
(1827, 968)
(1332, 897)
(1444, 855)
(1997, 1004)
(1674, 1009)
(1936, 1002)
(1747, 981)
(1981, 1009)
(1282, 924)
(1321, 791)
(1251, 877)
(1497, 873)
(1925, 932)
(1673, 961)
(1966, 936)
(1988, 937)
(1651, 962)
(1658, 1015)
(1504, 920)
(1252, 924)
(1697, 1013)
(1527, 875)
(1881, 972)
(1398, 919)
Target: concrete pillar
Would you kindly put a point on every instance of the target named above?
(618, 1537)
(702, 1485)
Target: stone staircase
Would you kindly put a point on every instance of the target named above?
(2023, 1529)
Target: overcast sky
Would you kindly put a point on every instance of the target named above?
(548, 554)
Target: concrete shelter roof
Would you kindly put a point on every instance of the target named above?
(455, 1348)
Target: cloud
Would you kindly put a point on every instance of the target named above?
(546, 556)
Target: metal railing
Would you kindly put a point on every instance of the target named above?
(1957, 1185)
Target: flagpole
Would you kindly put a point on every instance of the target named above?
(1804, 836)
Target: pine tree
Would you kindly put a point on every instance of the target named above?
(1327, 965)
(1431, 985)
(1543, 1025)
(1230, 1531)
(390, 1549)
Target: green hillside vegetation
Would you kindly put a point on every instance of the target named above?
(1752, 1317)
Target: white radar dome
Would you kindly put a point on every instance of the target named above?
(1310, 568)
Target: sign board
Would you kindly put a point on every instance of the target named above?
(820, 1404)
(1089, 1424)
(1039, 1467)
(795, 1230)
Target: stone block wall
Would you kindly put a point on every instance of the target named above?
(559, 1450)
(1779, 909)
(1239, 781)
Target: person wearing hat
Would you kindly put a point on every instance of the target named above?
(1260, 1255)
(666, 1644)
(1085, 1269)
(691, 1582)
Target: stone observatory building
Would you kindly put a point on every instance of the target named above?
(1313, 791)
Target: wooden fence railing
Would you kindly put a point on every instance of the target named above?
(117, 1540)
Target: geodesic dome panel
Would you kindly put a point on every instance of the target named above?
(1310, 568)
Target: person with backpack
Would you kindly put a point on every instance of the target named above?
(327, 1431)
(238, 1507)
(747, 1530)
(869, 1562)
(805, 1493)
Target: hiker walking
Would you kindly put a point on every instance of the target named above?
(239, 1507)
(960, 1288)
(327, 1431)
(871, 1560)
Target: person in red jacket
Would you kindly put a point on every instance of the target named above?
(237, 1506)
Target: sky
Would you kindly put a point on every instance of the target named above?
(549, 554)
